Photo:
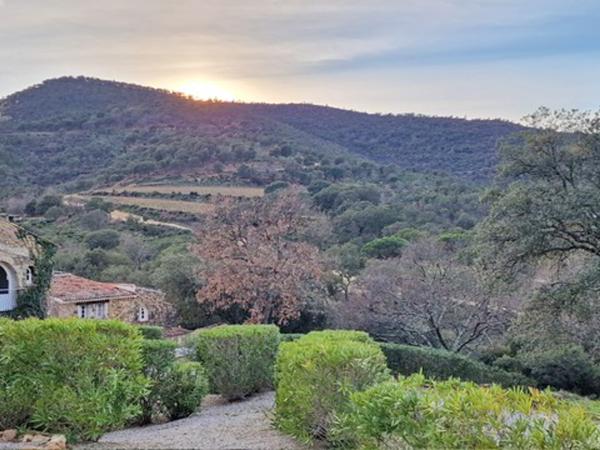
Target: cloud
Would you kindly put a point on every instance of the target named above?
(297, 49)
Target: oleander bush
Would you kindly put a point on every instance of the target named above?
(184, 389)
(441, 365)
(339, 335)
(76, 377)
(151, 331)
(315, 376)
(176, 387)
(239, 359)
(415, 412)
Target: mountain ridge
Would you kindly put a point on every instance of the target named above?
(117, 130)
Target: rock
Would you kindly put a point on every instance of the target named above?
(39, 439)
(57, 442)
(8, 435)
(27, 438)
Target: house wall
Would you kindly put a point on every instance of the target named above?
(18, 260)
(16, 257)
(125, 309)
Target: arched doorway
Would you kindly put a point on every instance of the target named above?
(8, 294)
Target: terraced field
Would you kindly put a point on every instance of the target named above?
(229, 191)
(152, 203)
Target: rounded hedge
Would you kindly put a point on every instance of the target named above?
(316, 375)
(441, 365)
(76, 377)
(239, 359)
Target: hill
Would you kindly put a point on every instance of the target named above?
(82, 132)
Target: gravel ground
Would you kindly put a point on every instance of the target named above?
(219, 426)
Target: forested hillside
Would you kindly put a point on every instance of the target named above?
(81, 132)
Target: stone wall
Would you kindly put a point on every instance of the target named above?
(160, 312)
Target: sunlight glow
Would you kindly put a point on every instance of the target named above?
(201, 90)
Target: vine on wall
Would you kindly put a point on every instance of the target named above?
(32, 301)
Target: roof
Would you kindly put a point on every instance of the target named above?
(71, 288)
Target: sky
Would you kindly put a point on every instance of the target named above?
(465, 58)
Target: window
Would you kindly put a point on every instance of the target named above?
(93, 310)
(29, 274)
(142, 315)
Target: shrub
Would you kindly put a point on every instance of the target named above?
(176, 389)
(151, 331)
(184, 389)
(339, 335)
(416, 413)
(76, 377)
(568, 368)
(315, 376)
(440, 364)
(238, 359)
(104, 239)
(289, 337)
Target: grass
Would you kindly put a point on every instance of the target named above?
(155, 203)
(228, 191)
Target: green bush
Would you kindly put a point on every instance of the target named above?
(151, 331)
(441, 365)
(104, 239)
(238, 359)
(567, 367)
(185, 387)
(339, 335)
(176, 389)
(289, 337)
(414, 412)
(76, 377)
(315, 376)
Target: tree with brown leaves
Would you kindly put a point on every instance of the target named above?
(260, 259)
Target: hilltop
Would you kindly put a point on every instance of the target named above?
(81, 132)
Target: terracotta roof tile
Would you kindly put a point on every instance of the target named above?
(73, 289)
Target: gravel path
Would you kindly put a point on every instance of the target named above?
(218, 426)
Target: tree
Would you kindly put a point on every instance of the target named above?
(104, 239)
(385, 247)
(551, 206)
(258, 260)
(428, 296)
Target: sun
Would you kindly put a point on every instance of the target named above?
(201, 90)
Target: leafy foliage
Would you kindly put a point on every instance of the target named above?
(415, 412)
(441, 365)
(57, 376)
(151, 331)
(239, 359)
(316, 375)
(31, 302)
(260, 259)
(177, 388)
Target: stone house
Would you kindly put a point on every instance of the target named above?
(74, 296)
(18, 250)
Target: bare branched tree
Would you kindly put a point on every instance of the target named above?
(429, 297)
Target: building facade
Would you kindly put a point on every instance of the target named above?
(74, 296)
(18, 249)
